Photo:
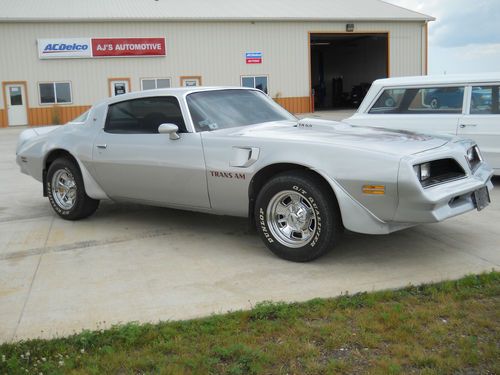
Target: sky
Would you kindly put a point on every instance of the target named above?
(464, 38)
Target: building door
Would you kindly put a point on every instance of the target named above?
(344, 65)
(16, 104)
(191, 81)
(119, 86)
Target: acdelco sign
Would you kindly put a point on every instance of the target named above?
(67, 48)
(58, 47)
(64, 48)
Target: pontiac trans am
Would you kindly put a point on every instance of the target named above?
(234, 151)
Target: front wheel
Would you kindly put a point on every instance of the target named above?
(297, 216)
(66, 191)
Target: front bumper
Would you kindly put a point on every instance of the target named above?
(418, 205)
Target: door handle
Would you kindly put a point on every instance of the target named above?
(104, 145)
(468, 125)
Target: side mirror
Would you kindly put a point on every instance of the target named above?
(170, 129)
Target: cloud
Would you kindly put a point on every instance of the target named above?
(459, 22)
(465, 38)
(472, 58)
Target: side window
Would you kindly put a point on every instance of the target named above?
(438, 100)
(389, 101)
(424, 100)
(485, 100)
(143, 116)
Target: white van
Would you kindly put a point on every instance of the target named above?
(464, 105)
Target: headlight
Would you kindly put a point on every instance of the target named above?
(423, 171)
(438, 171)
(474, 157)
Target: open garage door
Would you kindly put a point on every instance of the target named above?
(343, 66)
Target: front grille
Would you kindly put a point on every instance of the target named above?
(443, 170)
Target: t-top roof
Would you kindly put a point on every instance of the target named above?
(204, 10)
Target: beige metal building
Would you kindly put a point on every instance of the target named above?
(60, 56)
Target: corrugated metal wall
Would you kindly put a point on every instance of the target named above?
(213, 50)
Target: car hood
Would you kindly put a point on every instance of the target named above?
(309, 130)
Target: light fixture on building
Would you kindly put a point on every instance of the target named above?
(349, 27)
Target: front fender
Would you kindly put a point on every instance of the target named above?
(355, 216)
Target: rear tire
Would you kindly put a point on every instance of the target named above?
(66, 191)
(297, 216)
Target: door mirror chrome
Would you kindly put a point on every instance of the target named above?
(170, 129)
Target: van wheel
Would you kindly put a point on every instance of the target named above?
(66, 191)
(297, 216)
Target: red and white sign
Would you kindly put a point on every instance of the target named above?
(110, 47)
(80, 48)
(253, 57)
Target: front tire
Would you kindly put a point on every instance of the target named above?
(66, 191)
(297, 216)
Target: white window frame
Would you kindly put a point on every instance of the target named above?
(55, 93)
(156, 81)
(255, 76)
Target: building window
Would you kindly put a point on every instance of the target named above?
(55, 92)
(256, 82)
(155, 83)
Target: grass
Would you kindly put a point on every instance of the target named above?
(444, 328)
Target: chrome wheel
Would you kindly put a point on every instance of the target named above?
(64, 189)
(291, 219)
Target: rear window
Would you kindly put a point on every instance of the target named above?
(424, 100)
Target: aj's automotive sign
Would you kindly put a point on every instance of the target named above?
(81, 48)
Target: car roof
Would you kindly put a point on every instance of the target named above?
(439, 79)
(177, 91)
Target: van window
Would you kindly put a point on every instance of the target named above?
(485, 100)
(425, 100)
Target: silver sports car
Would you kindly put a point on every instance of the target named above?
(234, 151)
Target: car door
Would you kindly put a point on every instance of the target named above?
(419, 109)
(482, 121)
(133, 161)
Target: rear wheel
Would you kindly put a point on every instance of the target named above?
(297, 216)
(66, 191)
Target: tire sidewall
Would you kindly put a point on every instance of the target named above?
(61, 164)
(322, 239)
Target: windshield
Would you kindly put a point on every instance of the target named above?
(223, 109)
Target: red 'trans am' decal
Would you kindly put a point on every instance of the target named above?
(128, 47)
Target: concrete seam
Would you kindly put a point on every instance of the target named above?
(32, 280)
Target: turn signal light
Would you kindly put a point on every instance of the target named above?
(374, 189)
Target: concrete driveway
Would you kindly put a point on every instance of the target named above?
(134, 263)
